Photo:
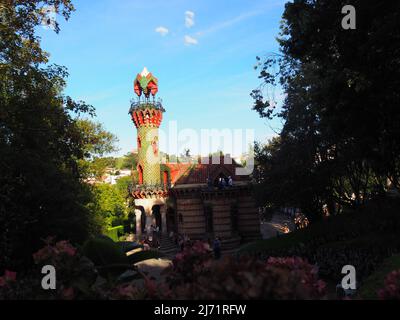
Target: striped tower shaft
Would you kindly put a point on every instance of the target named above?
(147, 121)
(149, 160)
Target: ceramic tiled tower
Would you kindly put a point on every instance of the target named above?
(147, 116)
(147, 113)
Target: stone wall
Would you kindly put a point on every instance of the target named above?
(193, 223)
(192, 213)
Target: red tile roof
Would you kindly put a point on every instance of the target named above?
(197, 173)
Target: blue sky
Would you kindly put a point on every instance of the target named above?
(202, 52)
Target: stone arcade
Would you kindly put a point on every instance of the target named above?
(184, 197)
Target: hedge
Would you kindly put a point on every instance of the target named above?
(115, 232)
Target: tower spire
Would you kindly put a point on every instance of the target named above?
(147, 116)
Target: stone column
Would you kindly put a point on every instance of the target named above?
(164, 219)
(138, 214)
(149, 220)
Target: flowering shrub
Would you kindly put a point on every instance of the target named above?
(8, 278)
(288, 278)
(189, 263)
(304, 272)
(127, 291)
(74, 275)
(57, 254)
(391, 291)
(76, 278)
(7, 283)
(196, 275)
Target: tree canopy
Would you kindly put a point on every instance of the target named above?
(340, 137)
(41, 140)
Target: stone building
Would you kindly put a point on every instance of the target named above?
(203, 200)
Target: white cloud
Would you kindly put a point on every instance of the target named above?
(162, 30)
(190, 41)
(230, 22)
(189, 19)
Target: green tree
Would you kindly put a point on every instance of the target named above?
(97, 142)
(339, 140)
(129, 161)
(110, 204)
(40, 141)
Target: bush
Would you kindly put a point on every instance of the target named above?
(370, 288)
(115, 232)
(196, 275)
(363, 238)
(278, 279)
(188, 263)
(391, 291)
(75, 275)
(104, 252)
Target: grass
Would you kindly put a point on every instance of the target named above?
(376, 280)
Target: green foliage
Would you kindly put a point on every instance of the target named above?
(363, 238)
(40, 141)
(97, 141)
(339, 142)
(97, 166)
(115, 232)
(369, 289)
(123, 184)
(104, 252)
(45, 144)
(128, 161)
(109, 203)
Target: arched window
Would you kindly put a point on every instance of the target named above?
(139, 143)
(140, 172)
(221, 180)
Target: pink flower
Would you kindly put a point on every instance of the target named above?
(10, 276)
(127, 291)
(150, 286)
(65, 247)
(392, 286)
(43, 254)
(68, 293)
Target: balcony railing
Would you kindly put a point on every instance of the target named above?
(144, 103)
(148, 187)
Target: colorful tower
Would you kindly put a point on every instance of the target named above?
(147, 115)
(149, 192)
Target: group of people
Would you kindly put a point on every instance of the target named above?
(222, 183)
(152, 238)
(179, 240)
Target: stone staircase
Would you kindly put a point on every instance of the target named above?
(230, 246)
(168, 247)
